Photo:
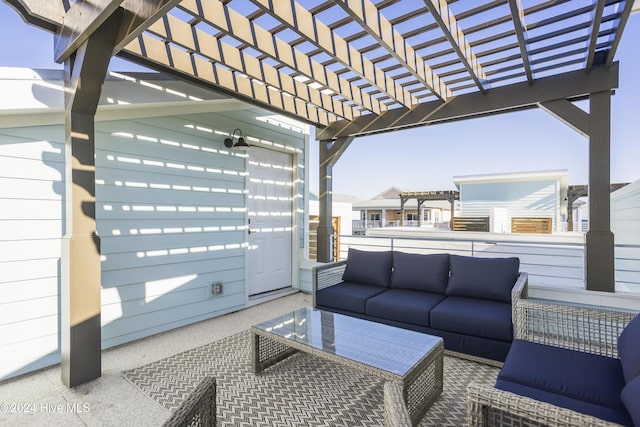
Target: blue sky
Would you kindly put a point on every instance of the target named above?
(428, 158)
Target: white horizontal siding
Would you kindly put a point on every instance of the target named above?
(171, 214)
(625, 214)
(31, 225)
(520, 199)
(154, 180)
(625, 225)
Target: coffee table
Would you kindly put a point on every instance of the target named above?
(412, 359)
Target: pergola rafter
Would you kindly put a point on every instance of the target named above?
(517, 14)
(369, 17)
(315, 31)
(216, 50)
(458, 41)
(230, 22)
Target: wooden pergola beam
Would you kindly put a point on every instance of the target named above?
(572, 85)
(84, 17)
(80, 21)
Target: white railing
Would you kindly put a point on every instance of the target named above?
(556, 264)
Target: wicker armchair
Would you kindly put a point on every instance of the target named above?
(199, 409)
(396, 413)
(572, 326)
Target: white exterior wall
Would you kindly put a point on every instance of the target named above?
(31, 227)
(536, 198)
(625, 214)
(625, 225)
(171, 214)
(342, 210)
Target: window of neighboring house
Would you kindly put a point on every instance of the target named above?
(374, 217)
(426, 214)
(412, 217)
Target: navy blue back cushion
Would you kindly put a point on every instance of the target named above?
(368, 267)
(420, 272)
(630, 397)
(629, 349)
(486, 278)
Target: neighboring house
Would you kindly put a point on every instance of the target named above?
(176, 210)
(509, 197)
(385, 210)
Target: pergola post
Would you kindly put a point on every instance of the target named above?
(330, 152)
(599, 242)
(452, 200)
(85, 71)
(420, 203)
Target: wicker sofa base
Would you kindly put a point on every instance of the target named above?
(489, 406)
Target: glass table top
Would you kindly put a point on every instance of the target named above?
(385, 347)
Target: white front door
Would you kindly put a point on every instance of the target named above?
(270, 203)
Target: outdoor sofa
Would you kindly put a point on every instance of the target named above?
(570, 365)
(468, 301)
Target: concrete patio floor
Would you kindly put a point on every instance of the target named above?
(40, 398)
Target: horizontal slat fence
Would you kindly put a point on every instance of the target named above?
(531, 225)
(470, 223)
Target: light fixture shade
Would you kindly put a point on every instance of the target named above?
(240, 142)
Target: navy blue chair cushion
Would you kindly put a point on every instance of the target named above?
(368, 267)
(578, 375)
(347, 296)
(618, 416)
(630, 397)
(403, 305)
(629, 349)
(428, 273)
(487, 278)
(480, 318)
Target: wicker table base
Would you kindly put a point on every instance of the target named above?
(411, 359)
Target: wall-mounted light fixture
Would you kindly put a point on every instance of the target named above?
(236, 140)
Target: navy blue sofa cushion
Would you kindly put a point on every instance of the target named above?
(347, 296)
(486, 278)
(403, 305)
(578, 375)
(428, 273)
(629, 349)
(477, 317)
(368, 267)
(631, 399)
(618, 416)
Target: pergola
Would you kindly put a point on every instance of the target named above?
(424, 196)
(349, 67)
